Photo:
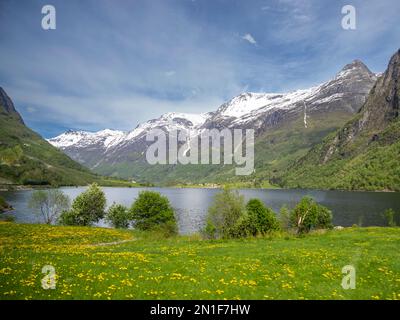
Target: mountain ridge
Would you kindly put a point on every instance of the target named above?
(221, 109)
(302, 112)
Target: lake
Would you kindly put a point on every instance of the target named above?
(348, 208)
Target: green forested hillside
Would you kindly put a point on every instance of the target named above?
(26, 158)
(374, 168)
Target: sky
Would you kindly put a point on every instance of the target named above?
(117, 63)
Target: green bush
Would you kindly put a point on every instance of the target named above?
(69, 218)
(244, 227)
(87, 208)
(257, 220)
(7, 218)
(118, 216)
(308, 215)
(390, 217)
(4, 206)
(49, 204)
(262, 219)
(3, 202)
(209, 231)
(151, 210)
(223, 214)
(324, 218)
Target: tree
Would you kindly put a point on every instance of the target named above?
(4, 206)
(87, 208)
(118, 216)
(223, 214)
(261, 218)
(49, 203)
(308, 215)
(151, 210)
(257, 219)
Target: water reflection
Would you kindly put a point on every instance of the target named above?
(191, 204)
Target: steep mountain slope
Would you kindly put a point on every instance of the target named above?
(345, 93)
(26, 158)
(363, 154)
(287, 125)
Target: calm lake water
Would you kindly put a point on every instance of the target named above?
(362, 208)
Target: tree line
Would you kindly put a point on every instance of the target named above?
(149, 211)
(229, 216)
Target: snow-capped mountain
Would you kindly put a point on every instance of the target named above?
(343, 94)
(170, 121)
(106, 137)
(110, 138)
(90, 147)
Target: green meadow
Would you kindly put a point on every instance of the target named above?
(99, 263)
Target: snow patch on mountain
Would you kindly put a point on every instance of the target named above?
(110, 138)
(80, 138)
(250, 105)
(246, 103)
(170, 121)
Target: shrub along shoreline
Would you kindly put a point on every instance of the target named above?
(229, 216)
(149, 212)
(4, 206)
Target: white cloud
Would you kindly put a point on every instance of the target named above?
(248, 37)
(122, 111)
(99, 85)
(170, 73)
(90, 83)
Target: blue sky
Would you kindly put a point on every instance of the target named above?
(114, 64)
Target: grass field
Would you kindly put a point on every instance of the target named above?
(93, 263)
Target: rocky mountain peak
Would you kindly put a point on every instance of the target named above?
(8, 106)
(393, 70)
(71, 131)
(355, 69)
(395, 58)
(380, 109)
(355, 64)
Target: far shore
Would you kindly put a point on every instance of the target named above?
(17, 187)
